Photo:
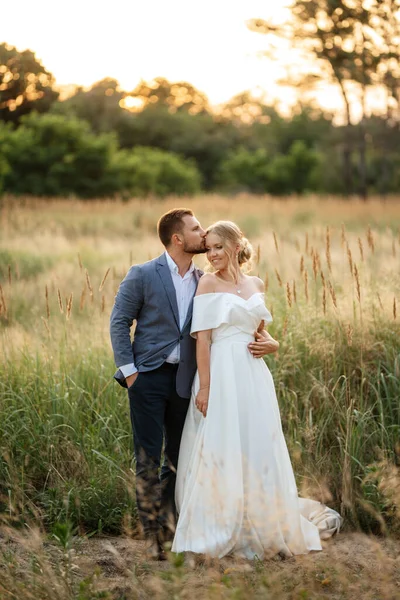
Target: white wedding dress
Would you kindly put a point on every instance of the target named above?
(235, 490)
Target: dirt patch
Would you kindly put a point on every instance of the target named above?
(350, 565)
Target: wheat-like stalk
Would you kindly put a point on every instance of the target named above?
(306, 284)
(46, 293)
(288, 295)
(301, 264)
(89, 284)
(9, 275)
(82, 299)
(278, 277)
(80, 262)
(258, 254)
(69, 306)
(285, 324)
(394, 308)
(324, 299)
(332, 293)
(314, 264)
(294, 291)
(275, 242)
(358, 288)
(349, 334)
(60, 302)
(105, 277)
(3, 302)
(328, 249)
(370, 239)
(266, 282)
(350, 259)
(103, 303)
(46, 324)
(343, 240)
(306, 244)
(361, 247)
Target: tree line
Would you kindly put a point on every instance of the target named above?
(163, 137)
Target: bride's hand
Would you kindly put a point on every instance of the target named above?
(202, 400)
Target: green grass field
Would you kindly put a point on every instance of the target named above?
(332, 273)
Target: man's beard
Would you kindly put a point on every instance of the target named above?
(194, 249)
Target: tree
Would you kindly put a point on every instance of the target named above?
(351, 43)
(177, 96)
(25, 85)
(100, 105)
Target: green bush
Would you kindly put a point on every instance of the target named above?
(144, 171)
(278, 174)
(50, 155)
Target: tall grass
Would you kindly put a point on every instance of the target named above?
(331, 270)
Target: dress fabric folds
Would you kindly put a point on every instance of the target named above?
(235, 490)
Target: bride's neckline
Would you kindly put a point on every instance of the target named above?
(230, 294)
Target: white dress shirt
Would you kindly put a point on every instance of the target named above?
(185, 288)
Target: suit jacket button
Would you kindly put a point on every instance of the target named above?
(181, 337)
(165, 355)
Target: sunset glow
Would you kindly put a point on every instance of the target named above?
(206, 44)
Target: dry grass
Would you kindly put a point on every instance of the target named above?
(331, 270)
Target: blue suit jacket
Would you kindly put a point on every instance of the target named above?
(147, 295)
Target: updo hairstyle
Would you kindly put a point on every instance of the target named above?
(231, 236)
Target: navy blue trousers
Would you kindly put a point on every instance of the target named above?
(158, 416)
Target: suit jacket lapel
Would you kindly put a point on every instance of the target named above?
(165, 276)
(197, 275)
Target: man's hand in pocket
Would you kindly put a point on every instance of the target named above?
(130, 380)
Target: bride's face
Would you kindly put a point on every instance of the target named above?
(217, 253)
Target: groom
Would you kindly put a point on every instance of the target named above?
(158, 367)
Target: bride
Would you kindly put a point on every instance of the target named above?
(235, 489)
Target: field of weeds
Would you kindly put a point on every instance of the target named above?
(332, 273)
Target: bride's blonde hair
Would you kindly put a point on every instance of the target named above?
(231, 237)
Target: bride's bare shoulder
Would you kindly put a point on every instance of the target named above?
(206, 284)
(259, 284)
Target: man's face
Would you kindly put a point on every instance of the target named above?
(193, 236)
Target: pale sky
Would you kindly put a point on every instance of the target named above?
(205, 43)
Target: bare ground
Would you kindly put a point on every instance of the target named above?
(352, 565)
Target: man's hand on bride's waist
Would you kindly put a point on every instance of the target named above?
(263, 344)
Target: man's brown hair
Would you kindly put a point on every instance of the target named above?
(171, 222)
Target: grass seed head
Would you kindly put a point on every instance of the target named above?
(328, 249)
(360, 245)
(306, 285)
(104, 279)
(278, 277)
(69, 306)
(358, 288)
(276, 242)
(82, 299)
(370, 239)
(288, 295)
(343, 240)
(46, 293)
(350, 259)
(60, 302)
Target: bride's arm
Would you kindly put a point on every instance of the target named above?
(206, 286)
(203, 366)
